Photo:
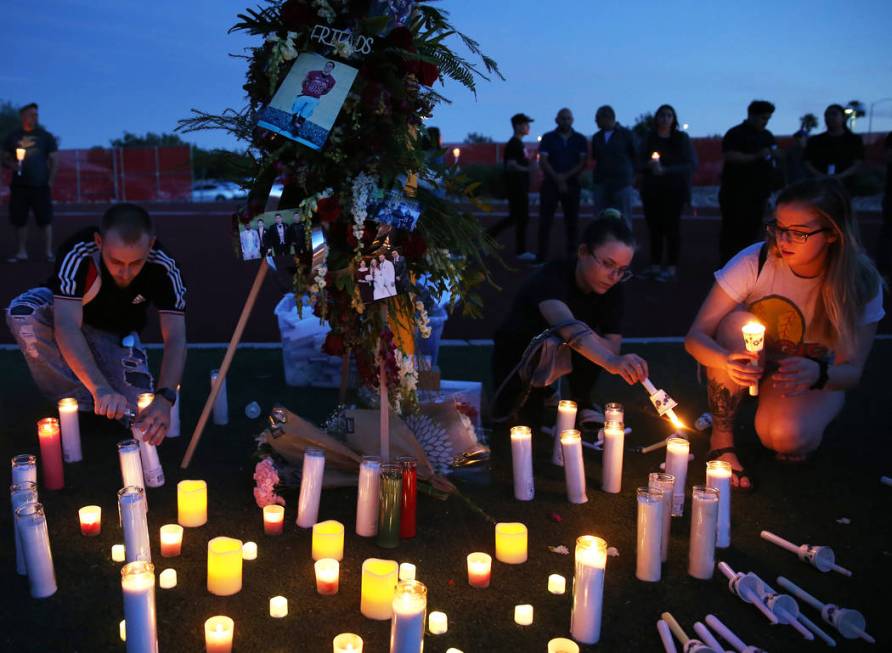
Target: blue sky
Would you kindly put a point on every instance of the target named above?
(99, 67)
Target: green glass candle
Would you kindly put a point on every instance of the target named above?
(391, 495)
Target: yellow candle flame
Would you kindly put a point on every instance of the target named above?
(753, 328)
(20, 153)
(655, 156)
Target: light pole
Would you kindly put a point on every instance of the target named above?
(870, 113)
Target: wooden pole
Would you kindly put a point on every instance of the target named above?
(227, 361)
(384, 399)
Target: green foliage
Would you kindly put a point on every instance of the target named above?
(644, 124)
(221, 164)
(490, 179)
(475, 137)
(150, 139)
(808, 122)
(9, 118)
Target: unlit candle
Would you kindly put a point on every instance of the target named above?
(704, 517)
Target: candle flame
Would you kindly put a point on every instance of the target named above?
(753, 328)
(456, 152)
(655, 156)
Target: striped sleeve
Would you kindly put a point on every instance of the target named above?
(170, 293)
(73, 270)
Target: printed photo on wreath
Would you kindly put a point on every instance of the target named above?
(382, 275)
(275, 233)
(395, 210)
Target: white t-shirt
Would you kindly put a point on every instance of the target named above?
(783, 302)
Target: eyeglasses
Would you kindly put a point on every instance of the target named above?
(790, 235)
(613, 270)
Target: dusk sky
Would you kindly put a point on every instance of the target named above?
(99, 67)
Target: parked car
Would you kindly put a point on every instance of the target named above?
(212, 190)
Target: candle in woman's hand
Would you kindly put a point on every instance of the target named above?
(754, 339)
(91, 520)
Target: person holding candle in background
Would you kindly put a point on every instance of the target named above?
(819, 297)
(78, 334)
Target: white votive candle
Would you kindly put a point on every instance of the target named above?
(648, 561)
(562, 645)
(138, 589)
(566, 421)
(704, 520)
(557, 584)
(677, 450)
(347, 643)
(612, 469)
(522, 463)
(71, 430)
(407, 571)
(278, 607)
(574, 466)
(523, 614)
(666, 484)
(511, 543)
(249, 551)
(118, 552)
(437, 623)
(218, 633)
(168, 579)
(588, 589)
(718, 477)
(407, 625)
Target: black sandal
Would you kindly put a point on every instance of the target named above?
(739, 474)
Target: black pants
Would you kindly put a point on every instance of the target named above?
(518, 215)
(548, 202)
(742, 215)
(662, 212)
(23, 199)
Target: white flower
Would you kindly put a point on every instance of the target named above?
(344, 49)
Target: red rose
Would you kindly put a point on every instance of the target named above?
(334, 344)
(427, 73)
(296, 15)
(328, 209)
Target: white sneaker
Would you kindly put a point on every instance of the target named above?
(526, 257)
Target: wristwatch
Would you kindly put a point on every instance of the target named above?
(167, 393)
(822, 375)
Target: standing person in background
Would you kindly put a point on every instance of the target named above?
(794, 158)
(666, 165)
(749, 151)
(836, 152)
(615, 154)
(884, 247)
(562, 155)
(31, 185)
(517, 188)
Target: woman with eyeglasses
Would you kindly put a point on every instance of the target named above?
(587, 288)
(820, 298)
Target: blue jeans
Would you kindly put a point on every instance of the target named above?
(609, 196)
(30, 319)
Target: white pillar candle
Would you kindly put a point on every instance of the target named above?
(522, 463)
(173, 430)
(614, 412)
(21, 494)
(479, 570)
(754, 339)
(122, 630)
(118, 553)
(24, 469)
(511, 543)
(30, 522)
(718, 476)
(132, 509)
(218, 634)
(612, 468)
(562, 645)
(273, 519)
(71, 430)
(328, 540)
(367, 496)
(666, 484)
(407, 625)
(131, 465)
(566, 421)
(347, 643)
(138, 588)
(407, 571)
(523, 614)
(437, 623)
(557, 584)
(278, 607)
(221, 403)
(168, 579)
(90, 518)
(677, 450)
(379, 579)
(574, 467)
(328, 576)
(249, 551)
(152, 471)
(648, 561)
(588, 589)
(704, 520)
(171, 540)
(224, 566)
(310, 487)
(192, 503)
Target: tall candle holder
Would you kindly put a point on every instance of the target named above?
(30, 522)
(24, 468)
(310, 487)
(574, 466)
(648, 560)
(566, 420)
(677, 450)
(718, 476)
(138, 588)
(408, 501)
(612, 465)
(666, 484)
(704, 520)
(21, 494)
(588, 589)
(389, 503)
(522, 463)
(49, 437)
(367, 496)
(71, 430)
(221, 403)
(132, 511)
(152, 471)
(131, 464)
(409, 611)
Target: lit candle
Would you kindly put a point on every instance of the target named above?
(407, 571)
(754, 339)
(677, 450)
(479, 570)
(71, 430)
(437, 623)
(131, 465)
(224, 566)
(523, 614)
(20, 494)
(20, 156)
(138, 589)
(511, 543)
(347, 643)
(456, 153)
(30, 522)
(718, 476)
(132, 510)
(588, 589)
(562, 645)
(119, 553)
(557, 584)
(278, 607)
(218, 632)
(51, 453)
(408, 502)
(168, 579)
(379, 578)
(614, 412)
(704, 520)
(666, 484)
(249, 551)
(407, 626)
(122, 630)
(390, 499)
(566, 421)
(612, 467)
(221, 403)
(310, 487)
(574, 466)
(173, 431)
(522, 462)
(192, 503)
(273, 519)
(648, 561)
(328, 572)
(328, 540)
(91, 520)
(171, 540)
(655, 157)
(367, 496)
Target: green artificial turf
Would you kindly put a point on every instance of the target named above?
(801, 502)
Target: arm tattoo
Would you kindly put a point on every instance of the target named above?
(723, 402)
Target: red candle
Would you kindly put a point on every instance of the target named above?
(171, 540)
(479, 570)
(91, 520)
(327, 576)
(410, 488)
(50, 439)
(273, 519)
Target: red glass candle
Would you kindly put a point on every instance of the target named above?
(91, 520)
(328, 571)
(273, 519)
(410, 490)
(50, 438)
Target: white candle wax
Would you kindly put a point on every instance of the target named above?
(30, 522)
(20, 494)
(138, 589)
(131, 465)
(118, 553)
(612, 471)
(249, 551)
(168, 579)
(132, 509)
(122, 630)
(588, 589)
(218, 633)
(718, 476)
(407, 571)
(614, 412)
(310, 487)
(173, 430)
(666, 484)
(522, 462)
(71, 430)
(557, 584)
(347, 643)
(562, 645)
(648, 561)
(152, 472)
(407, 625)
(278, 607)
(574, 467)
(704, 520)
(754, 339)
(677, 450)
(566, 420)
(221, 403)
(437, 623)
(367, 496)
(523, 614)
